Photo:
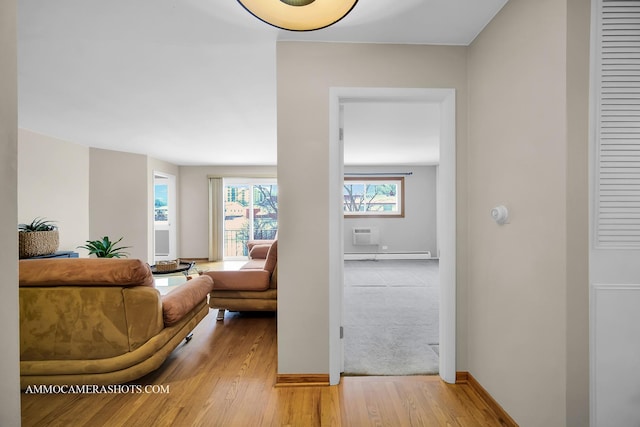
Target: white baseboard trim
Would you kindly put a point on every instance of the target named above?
(386, 255)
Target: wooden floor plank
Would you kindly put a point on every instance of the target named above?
(226, 375)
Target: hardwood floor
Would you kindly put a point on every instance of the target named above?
(225, 376)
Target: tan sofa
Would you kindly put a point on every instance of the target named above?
(254, 287)
(100, 321)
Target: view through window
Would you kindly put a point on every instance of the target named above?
(250, 213)
(371, 197)
(161, 203)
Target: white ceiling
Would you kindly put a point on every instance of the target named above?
(193, 81)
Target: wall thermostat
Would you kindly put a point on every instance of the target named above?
(500, 214)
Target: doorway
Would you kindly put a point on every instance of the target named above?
(164, 216)
(446, 217)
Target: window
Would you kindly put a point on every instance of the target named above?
(250, 212)
(373, 197)
(161, 202)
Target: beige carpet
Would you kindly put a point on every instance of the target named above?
(391, 317)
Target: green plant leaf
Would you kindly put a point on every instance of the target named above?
(105, 248)
(38, 224)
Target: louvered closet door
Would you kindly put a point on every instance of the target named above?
(618, 213)
(614, 264)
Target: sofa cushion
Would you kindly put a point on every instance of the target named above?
(85, 272)
(254, 264)
(180, 301)
(259, 251)
(272, 257)
(240, 280)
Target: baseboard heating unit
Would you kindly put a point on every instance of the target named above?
(362, 256)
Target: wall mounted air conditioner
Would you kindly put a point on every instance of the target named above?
(366, 236)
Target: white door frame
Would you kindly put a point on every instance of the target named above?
(446, 217)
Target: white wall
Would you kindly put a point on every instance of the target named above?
(119, 200)
(9, 350)
(53, 182)
(194, 203)
(306, 71)
(416, 232)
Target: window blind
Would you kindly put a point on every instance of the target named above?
(618, 125)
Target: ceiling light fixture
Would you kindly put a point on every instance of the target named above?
(299, 15)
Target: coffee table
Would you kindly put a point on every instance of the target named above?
(183, 267)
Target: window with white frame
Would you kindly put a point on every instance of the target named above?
(373, 197)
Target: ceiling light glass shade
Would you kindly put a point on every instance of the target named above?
(299, 15)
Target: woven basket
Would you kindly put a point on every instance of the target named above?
(36, 243)
(166, 265)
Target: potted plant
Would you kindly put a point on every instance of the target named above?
(105, 248)
(40, 237)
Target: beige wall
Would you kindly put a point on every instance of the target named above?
(519, 282)
(9, 350)
(306, 71)
(53, 182)
(578, 47)
(54, 179)
(118, 199)
(194, 203)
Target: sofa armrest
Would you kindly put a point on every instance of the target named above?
(255, 242)
(240, 280)
(180, 301)
(259, 251)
